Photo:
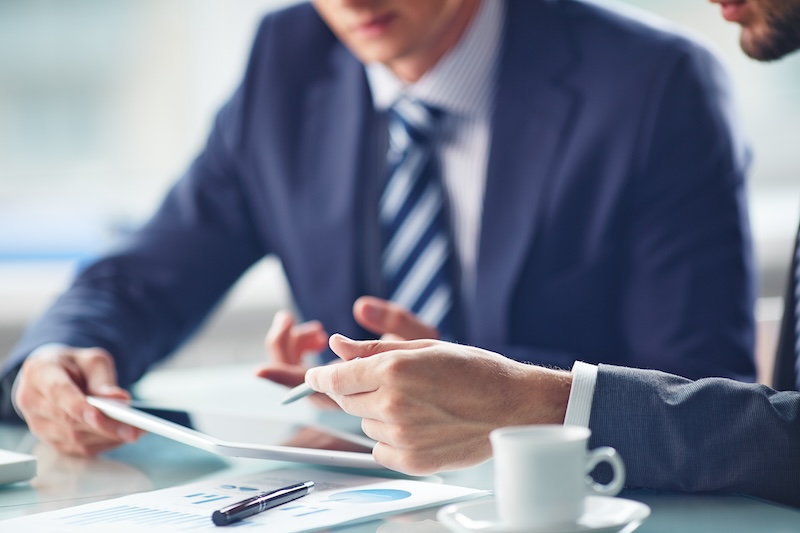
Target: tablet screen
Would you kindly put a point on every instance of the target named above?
(237, 435)
(260, 431)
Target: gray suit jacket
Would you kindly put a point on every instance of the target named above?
(712, 434)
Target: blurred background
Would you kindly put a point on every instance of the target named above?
(103, 104)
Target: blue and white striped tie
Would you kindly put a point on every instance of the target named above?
(417, 253)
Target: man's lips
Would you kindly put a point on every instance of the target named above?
(734, 10)
(374, 26)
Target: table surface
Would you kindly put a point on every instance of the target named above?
(154, 462)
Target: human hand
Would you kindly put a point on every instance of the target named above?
(390, 320)
(287, 344)
(431, 404)
(51, 392)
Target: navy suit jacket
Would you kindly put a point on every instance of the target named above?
(614, 226)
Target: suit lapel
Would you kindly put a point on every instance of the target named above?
(529, 126)
(335, 113)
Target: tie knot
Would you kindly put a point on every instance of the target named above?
(411, 121)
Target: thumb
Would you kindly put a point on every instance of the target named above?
(349, 349)
(101, 376)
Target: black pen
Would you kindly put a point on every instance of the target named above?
(259, 503)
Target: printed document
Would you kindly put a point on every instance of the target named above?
(339, 498)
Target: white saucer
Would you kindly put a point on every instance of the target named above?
(602, 515)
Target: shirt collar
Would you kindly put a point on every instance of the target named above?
(462, 82)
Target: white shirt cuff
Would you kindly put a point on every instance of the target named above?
(579, 406)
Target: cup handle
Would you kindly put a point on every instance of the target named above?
(609, 455)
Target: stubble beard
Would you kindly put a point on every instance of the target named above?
(781, 35)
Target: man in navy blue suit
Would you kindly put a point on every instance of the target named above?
(592, 180)
(432, 404)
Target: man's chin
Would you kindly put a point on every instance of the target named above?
(753, 49)
(767, 48)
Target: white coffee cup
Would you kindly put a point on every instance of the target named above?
(541, 474)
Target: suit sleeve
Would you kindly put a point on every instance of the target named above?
(141, 300)
(712, 434)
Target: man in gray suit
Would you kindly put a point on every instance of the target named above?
(430, 405)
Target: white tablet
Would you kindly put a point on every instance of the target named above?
(239, 436)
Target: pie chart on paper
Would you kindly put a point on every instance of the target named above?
(369, 496)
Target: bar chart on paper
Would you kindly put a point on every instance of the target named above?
(141, 516)
(339, 499)
(188, 519)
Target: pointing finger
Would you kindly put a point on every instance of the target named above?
(346, 378)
